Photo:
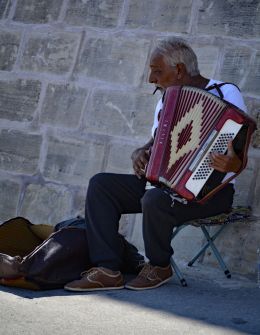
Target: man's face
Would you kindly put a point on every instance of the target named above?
(162, 75)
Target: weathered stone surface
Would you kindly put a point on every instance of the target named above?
(5, 6)
(119, 160)
(189, 235)
(9, 44)
(9, 196)
(255, 191)
(232, 18)
(19, 99)
(238, 247)
(117, 60)
(235, 64)
(252, 83)
(62, 105)
(40, 11)
(73, 162)
(136, 236)
(122, 113)
(164, 15)
(207, 58)
(96, 13)
(46, 204)
(50, 52)
(244, 184)
(19, 152)
(78, 201)
(253, 107)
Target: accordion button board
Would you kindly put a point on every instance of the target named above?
(201, 170)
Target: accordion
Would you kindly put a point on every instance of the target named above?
(193, 124)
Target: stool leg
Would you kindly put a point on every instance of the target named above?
(216, 253)
(178, 273)
(204, 248)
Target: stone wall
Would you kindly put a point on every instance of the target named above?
(74, 99)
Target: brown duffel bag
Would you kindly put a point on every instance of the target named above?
(49, 259)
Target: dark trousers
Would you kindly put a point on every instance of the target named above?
(110, 195)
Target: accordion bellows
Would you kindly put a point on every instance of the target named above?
(193, 123)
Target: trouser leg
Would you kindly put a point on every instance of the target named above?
(160, 216)
(110, 195)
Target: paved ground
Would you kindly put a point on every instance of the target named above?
(211, 304)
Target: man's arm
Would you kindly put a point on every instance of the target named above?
(140, 158)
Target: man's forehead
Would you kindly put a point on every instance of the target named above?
(157, 60)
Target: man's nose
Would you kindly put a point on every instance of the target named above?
(152, 79)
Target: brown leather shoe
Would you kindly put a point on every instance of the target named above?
(9, 266)
(97, 279)
(150, 277)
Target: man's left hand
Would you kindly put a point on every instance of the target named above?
(229, 162)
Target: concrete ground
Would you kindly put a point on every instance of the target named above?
(210, 305)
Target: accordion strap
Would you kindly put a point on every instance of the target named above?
(217, 87)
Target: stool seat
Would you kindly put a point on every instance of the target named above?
(236, 214)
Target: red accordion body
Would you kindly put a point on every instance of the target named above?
(194, 123)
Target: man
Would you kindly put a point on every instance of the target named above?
(173, 62)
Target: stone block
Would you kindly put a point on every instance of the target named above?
(53, 52)
(5, 6)
(47, 204)
(255, 191)
(113, 59)
(235, 64)
(119, 160)
(19, 99)
(121, 113)
(95, 13)
(252, 83)
(9, 44)
(238, 247)
(19, 151)
(207, 58)
(78, 201)
(253, 107)
(229, 18)
(244, 184)
(136, 235)
(187, 243)
(62, 105)
(40, 11)
(9, 197)
(164, 15)
(73, 161)
(126, 225)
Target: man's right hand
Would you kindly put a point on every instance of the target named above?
(140, 158)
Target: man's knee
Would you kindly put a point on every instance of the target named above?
(152, 199)
(97, 181)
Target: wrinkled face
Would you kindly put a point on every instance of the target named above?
(162, 75)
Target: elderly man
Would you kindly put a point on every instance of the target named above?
(173, 62)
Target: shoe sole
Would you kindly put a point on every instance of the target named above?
(147, 288)
(77, 289)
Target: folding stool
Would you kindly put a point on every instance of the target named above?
(222, 220)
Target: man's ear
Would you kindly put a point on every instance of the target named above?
(181, 70)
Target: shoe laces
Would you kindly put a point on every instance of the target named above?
(90, 272)
(146, 271)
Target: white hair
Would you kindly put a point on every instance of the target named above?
(176, 51)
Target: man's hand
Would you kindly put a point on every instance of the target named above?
(140, 158)
(229, 162)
